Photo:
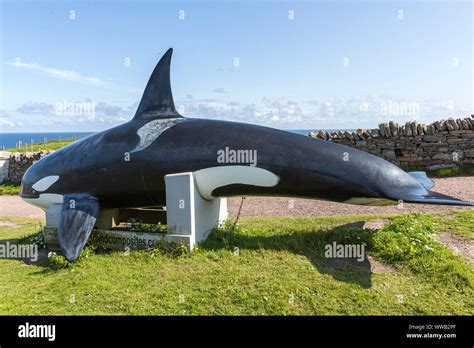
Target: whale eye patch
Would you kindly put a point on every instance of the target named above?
(45, 183)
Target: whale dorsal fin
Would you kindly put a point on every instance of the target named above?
(157, 100)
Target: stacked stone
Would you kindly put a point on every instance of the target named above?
(20, 162)
(444, 143)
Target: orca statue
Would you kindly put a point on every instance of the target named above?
(125, 166)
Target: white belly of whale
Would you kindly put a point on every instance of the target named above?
(209, 179)
(45, 200)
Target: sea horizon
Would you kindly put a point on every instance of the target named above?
(11, 140)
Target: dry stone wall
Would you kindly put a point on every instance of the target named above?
(442, 144)
(18, 163)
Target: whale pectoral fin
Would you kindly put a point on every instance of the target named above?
(78, 216)
(423, 179)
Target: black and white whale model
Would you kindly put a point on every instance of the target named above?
(125, 166)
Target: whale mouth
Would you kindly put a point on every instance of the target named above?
(43, 200)
(28, 192)
(28, 195)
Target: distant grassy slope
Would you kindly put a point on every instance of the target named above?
(48, 146)
(269, 266)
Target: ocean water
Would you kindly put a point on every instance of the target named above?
(10, 140)
(299, 131)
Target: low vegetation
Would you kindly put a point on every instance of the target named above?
(465, 170)
(268, 266)
(10, 188)
(137, 225)
(44, 146)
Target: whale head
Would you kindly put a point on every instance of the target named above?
(38, 185)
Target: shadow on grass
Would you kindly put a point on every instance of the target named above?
(311, 244)
(17, 250)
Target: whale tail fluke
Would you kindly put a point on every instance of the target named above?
(431, 197)
(436, 198)
(157, 100)
(423, 179)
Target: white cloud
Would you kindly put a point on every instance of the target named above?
(354, 112)
(219, 90)
(39, 108)
(62, 74)
(64, 115)
(6, 122)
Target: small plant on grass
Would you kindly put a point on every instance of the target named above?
(172, 249)
(224, 235)
(57, 262)
(34, 239)
(139, 226)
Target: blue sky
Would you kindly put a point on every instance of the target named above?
(290, 65)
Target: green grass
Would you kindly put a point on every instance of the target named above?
(454, 171)
(458, 223)
(19, 227)
(48, 146)
(465, 170)
(10, 188)
(406, 242)
(268, 266)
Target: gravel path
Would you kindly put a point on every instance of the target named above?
(14, 205)
(459, 187)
